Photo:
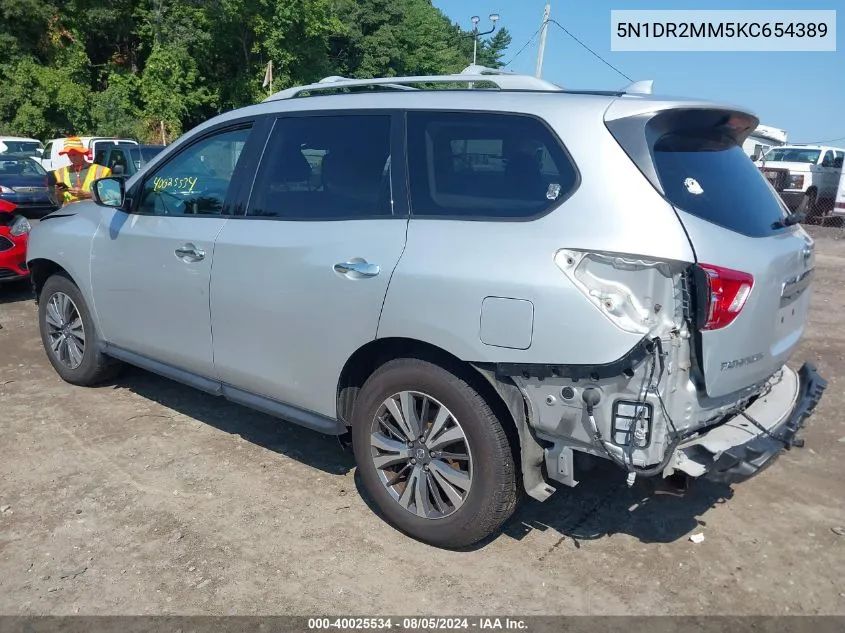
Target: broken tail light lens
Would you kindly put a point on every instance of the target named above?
(727, 292)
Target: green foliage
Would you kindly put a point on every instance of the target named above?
(129, 67)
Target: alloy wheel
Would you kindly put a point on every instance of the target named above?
(421, 454)
(65, 330)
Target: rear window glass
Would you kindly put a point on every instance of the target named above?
(22, 147)
(708, 175)
(469, 165)
(20, 167)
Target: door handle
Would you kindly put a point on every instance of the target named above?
(357, 268)
(190, 253)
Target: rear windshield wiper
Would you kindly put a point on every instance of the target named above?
(790, 220)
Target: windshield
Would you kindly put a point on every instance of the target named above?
(709, 176)
(20, 166)
(22, 147)
(792, 155)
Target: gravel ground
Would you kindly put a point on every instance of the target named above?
(145, 497)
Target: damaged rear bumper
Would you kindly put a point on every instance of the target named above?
(739, 449)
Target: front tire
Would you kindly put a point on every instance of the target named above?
(809, 207)
(69, 336)
(432, 454)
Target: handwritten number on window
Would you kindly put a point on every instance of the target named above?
(183, 184)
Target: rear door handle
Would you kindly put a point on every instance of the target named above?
(190, 253)
(357, 268)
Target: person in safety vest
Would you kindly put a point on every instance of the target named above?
(73, 183)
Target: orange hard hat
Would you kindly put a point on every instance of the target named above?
(73, 144)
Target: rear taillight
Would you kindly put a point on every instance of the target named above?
(6, 206)
(840, 205)
(727, 292)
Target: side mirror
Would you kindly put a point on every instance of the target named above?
(117, 170)
(39, 151)
(108, 192)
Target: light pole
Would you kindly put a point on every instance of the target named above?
(494, 18)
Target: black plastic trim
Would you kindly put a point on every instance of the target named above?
(742, 462)
(627, 363)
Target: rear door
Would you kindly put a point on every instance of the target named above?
(298, 284)
(754, 271)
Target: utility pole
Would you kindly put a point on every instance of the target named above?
(544, 28)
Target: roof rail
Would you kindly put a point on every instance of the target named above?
(501, 79)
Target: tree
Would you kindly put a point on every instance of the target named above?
(172, 89)
(121, 67)
(491, 51)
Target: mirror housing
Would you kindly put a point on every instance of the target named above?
(117, 170)
(108, 192)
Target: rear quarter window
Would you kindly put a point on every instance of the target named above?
(485, 166)
(709, 176)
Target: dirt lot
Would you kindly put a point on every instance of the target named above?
(145, 497)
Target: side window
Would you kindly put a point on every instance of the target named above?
(100, 156)
(47, 149)
(485, 165)
(196, 180)
(325, 168)
(827, 161)
(837, 159)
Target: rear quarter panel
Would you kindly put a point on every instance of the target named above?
(450, 266)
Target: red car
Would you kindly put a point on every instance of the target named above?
(14, 231)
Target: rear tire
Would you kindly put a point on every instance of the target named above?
(70, 338)
(419, 503)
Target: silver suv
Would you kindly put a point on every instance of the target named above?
(480, 285)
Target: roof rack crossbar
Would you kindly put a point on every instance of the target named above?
(502, 80)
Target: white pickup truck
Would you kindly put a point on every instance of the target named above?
(805, 176)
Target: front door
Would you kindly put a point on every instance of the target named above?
(151, 268)
(298, 284)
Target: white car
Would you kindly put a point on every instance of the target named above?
(20, 145)
(805, 176)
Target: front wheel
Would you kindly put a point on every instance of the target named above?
(69, 336)
(432, 454)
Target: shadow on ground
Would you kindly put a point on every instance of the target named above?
(309, 447)
(652, 511)
(601, 504)
(14, 291)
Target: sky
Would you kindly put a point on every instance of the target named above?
(802, 93)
